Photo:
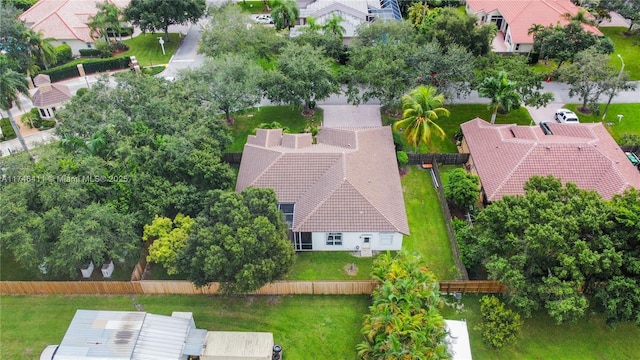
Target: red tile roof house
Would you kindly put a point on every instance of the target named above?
(506, 156)
(341, 194)
(65, 20)
(514, 18)
(49, 97)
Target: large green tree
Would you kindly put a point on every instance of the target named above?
(462, 189)
(420, 108)
(628, 9)
(590, 76)
(152, 15)
(239, 240)
(449, 26)
(302, 77)
(555, 246)
(563, 43)
(228, 83)
(502, 92)
(167, 239)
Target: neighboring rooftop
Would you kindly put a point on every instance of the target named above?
(49, 94)
(506, 156)
(348, 181)
(64, 19)
(521, 14)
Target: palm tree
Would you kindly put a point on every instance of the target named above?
(312, 25)
(420, 108)
(333, 26)
(285, 13)
(582, 16)
(502, 93)
(40, 48)
(12, 84)
(535, 29)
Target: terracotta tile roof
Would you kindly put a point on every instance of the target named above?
(56, 94)
(348, 181)
(521, 14)
(64, 19)
(506, 156)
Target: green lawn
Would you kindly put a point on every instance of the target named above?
(627, 47)
(329, 265)
(461, 113)
(426, 224)
(147, 50)
(307, 327)
(253, 7)
(248, 121)
(630, 121)
(542, 339)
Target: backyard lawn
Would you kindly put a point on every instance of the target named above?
(247, 121)
(630, 121)
(426, 224)
(307, 327)
(147, 50)
(627, 47)
(330, 265)
(541, 338)
(461, 113)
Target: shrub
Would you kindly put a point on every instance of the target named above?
(7, 129)
(47, 124)
(629, 139)
(81, 91)
(63, 54)
(124, 31)
(462, 189)
(403, 158)
(104, 48)
(118, 46)
(499, 326)
(32, 118)
(90, 52)
(90, 66)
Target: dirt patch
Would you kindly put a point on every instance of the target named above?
(351, 269)
(274, 300)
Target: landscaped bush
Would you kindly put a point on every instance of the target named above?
(629, 139)
(124, 31)
(47, 124)
(403, 158)
(32, 118)
(500, 326)
(7, 129)
(81, 91)
(118, 46)
(63, 54)
(90, 52)
(104, 48)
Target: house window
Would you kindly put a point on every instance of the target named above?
(42, 113)
(334, 239)
(517, 47)
(386, 239)
(287, 210)
(89, 45)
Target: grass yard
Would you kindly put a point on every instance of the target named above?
(329, 265)
(253, 7)
(541, 338)
(147, 50)
(307, 327)
(630, 121)
(627, 47)
(461, 113)
(426, 224)
(246, 122)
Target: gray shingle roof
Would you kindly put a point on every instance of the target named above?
(348, 181)
(506, 156)
(56, 94)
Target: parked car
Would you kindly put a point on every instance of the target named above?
(264, 19)
(635, 160)
(566, 116)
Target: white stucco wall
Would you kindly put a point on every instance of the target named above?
(75, 45)
(352, 239)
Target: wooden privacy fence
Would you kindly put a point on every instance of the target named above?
(148, 287)
(445, 159)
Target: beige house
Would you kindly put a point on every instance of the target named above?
(341, 194)
(506, 156)
(49, 97)
(66, 20)
(514, 18)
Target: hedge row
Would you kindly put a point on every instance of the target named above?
(90, 66)
(90, 52)
(7, 129)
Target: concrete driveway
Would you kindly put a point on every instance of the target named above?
(545, 113)
(351, 116)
